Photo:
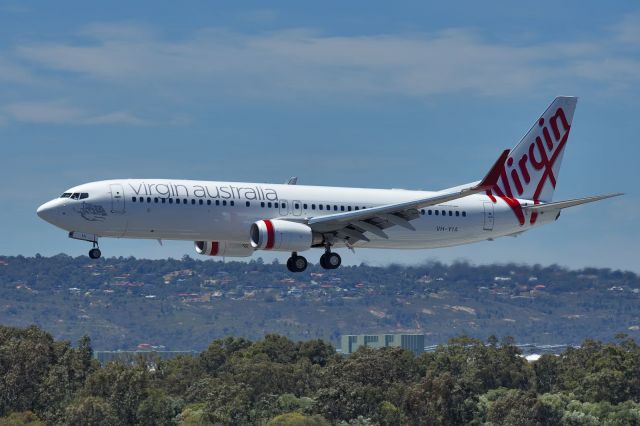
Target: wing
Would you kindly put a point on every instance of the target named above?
(352, 226)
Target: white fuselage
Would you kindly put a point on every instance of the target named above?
(224, 211)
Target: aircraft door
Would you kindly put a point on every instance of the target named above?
(296, 208)
(284, 208)
(488, 216)
(117, 198)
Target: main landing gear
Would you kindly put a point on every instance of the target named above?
(95, 252)
(296, 263)
(328, 260)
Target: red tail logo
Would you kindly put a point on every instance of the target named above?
(524, 175)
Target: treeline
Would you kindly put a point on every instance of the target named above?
(275, 381)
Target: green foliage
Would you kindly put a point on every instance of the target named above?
(91, 411)
(297, 419)
(277, 381)
(158, 410)
(24, 418)
(123, 387)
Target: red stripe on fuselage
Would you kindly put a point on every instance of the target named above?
(270, 234)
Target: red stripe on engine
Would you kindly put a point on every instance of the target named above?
(270, 235)
(214, 248)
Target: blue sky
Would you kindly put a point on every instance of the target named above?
(374, 94)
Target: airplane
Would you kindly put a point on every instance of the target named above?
(235, 219)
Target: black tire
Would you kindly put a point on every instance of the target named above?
(323, 261)
(95, 253)
(333, 260)
(290, 264)
(299, 263)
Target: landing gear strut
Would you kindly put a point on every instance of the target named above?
(296, 263)
(95, 252)
(330, 260)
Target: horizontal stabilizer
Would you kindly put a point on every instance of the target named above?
(541, 208)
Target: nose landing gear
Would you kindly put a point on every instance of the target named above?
(95, 252)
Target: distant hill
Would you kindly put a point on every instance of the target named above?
(184, 304)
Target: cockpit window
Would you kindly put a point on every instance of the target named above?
(78, 195)
(66, 195)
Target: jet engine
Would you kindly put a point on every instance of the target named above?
(223, 248)
(283, 235)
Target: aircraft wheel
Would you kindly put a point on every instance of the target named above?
(330, 260)
(333, 260)
(299, 263)
(95, 253)
(296, 263)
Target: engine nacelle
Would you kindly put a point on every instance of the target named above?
(223, 248)
(282, 235)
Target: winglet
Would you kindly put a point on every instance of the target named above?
(491, 178)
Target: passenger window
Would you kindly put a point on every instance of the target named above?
(457, 213)
(217, 202)
(170, 200)
(269, 204)
(319, 206)
(185, 201)
(224, 202)
(262, 204)
(357, 208)
(200, 202)
(429, 212)
(133, 199)
(155, 200)
(232, 203)
(349, 208)
(328, 207)
(164, 200)
(450, 213)
(444, 213)
(148, 199)
(422, 212)
(177, 200)
(313, 206)
(464, 214)
(437, 212)
(297, 206)
(248, 204)
(193, 201)
(208, 202)
(304, 206)
(342, 208)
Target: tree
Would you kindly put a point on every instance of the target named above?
(91, 411)
(124, 387)
(158, 409)
(297, 419)
(24, 418)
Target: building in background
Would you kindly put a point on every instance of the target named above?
(410, 342)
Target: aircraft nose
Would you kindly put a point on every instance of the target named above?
(47, 210)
